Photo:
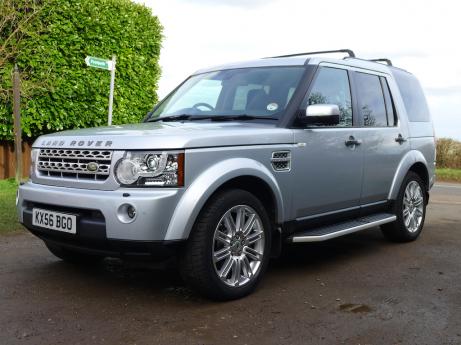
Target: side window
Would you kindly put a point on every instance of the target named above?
(332, 87)
(371, 100)
(413, 96)
(390, 108)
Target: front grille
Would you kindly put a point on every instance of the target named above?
(67, 163)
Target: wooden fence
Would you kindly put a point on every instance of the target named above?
(8, 160)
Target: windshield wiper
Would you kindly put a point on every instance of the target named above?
(171, 118)
(241, 117)
(182, 117)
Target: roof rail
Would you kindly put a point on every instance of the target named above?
(348, 51)
(387, 61)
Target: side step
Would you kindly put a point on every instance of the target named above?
(327, 232)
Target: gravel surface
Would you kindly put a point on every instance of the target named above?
(357, 289)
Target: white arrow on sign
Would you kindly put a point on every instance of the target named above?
(95, 62)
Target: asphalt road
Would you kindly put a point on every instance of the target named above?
(358, 289)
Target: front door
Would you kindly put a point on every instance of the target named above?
(327, 165)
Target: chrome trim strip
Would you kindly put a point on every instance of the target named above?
(328, 213)
(341, 210)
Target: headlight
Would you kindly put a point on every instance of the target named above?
(156, 169)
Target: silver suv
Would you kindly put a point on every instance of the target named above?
(236, 161)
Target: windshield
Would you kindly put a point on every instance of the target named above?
(255, 92)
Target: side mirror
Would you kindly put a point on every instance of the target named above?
(321, 114)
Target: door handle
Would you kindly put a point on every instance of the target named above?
(352, 141)
(400, 139)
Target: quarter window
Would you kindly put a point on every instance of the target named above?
(332, 87)
(371, 100)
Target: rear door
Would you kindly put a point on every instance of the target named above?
(384, 138)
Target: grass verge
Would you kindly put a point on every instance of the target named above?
(449, 175)
(8, 218)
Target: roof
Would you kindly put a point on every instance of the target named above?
(302, 60)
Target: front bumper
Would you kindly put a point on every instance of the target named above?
(97, 211)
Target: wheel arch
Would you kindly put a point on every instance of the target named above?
(412, 161)
(251, 175)
(256, 186)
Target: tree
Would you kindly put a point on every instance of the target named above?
(16, 24)
(49, 40)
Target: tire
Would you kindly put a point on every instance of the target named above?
(72, 256)
(223, 260)
(410, 210)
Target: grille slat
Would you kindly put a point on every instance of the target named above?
(66, 163)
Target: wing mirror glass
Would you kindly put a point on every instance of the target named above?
(321, 114)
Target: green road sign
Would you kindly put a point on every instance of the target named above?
(99, 63)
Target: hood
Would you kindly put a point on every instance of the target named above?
(168, 135)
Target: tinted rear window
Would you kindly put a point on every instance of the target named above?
(413, 97)
(371, 100)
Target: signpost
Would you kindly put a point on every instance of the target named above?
(17, 122)
(108, 65)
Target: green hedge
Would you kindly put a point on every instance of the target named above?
(66, 94)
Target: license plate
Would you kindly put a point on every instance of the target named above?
(54, 220)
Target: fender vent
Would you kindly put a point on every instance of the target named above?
(281, 160)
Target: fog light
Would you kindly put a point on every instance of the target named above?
(131, 212)
(126, 213)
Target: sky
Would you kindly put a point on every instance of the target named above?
(419, 36)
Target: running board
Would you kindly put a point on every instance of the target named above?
(324, 233)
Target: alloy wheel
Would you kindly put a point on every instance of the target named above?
(413, 206)
(238, 246)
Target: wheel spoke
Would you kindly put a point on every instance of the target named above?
(252, 253)
(414, 222)
(255, 236)
(418, 201)
(247, 271)
(249, 224)
(222, 237)
(236, 269)
(240, 219)
(407, 195)
(408, 220)
(226, 267)
(418, 212)
(229, 223)
(406, 212)
(222, 254)
(412, 189)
